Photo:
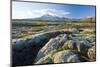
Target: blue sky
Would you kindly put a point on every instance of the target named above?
(21, 10)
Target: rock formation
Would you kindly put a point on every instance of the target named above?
(54, 47)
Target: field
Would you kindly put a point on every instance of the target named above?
(42, 42)
(21, 30)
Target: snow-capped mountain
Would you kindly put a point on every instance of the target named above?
(51, 18)
(48, 17)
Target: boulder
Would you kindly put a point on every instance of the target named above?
(91, 39)
(51, 45)
(45, 60)
(82, 47)
(69, 44)
(75, 30)
(92, 53)
(65, 56)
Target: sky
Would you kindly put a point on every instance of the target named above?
(23, 10)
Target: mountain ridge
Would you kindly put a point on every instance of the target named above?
(51, 18)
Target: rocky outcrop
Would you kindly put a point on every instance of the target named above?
(54, 47)
(24, 51)
(63, 46)
(51, 45)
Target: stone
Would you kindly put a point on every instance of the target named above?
(75, 30)
(51, 45)
(92, 53)
(70, 44)
(65, 56)
(44, 60)
(82, 47)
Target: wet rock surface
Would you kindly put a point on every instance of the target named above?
(54, 47)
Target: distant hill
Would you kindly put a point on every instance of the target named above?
(90, 19)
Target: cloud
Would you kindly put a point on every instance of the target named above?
(38, 13)
(52, 12)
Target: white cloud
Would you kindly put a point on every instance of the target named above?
(38, 13)
(52, 12)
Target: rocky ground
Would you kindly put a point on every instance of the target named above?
(55, 47)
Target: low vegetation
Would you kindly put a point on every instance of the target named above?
(37, 42)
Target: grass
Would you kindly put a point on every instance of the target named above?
(40, 26)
